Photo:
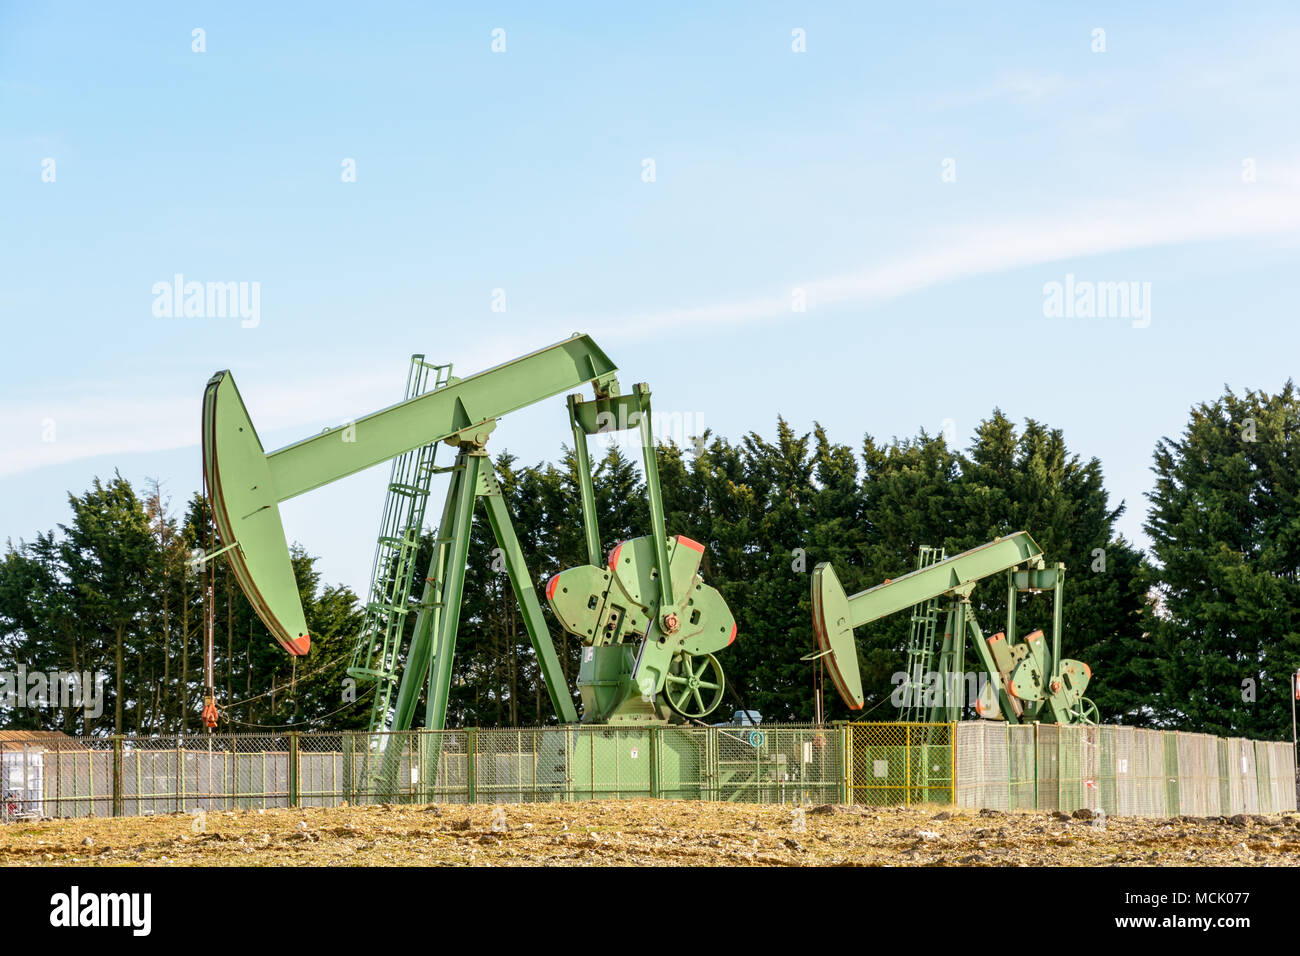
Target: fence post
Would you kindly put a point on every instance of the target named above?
(952, 764)
(711, 766)
(907, 764)
(846, 735)
(654, 762)
(293, 768)
(349, 791)
(117, 775)
(471, 764)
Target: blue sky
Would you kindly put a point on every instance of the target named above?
(522, 170)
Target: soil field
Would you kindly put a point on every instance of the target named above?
(650, 833)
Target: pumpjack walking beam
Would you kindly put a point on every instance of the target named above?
(246, 486)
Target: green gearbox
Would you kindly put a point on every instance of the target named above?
(646, 659)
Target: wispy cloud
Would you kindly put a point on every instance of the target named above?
(74, 422)
(1265, 208)
(88, 423)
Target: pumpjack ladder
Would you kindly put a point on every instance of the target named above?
(375, 656)
(920, 643)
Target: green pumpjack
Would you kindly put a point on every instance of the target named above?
(650, 627)
(649, 624)
(1028, 680)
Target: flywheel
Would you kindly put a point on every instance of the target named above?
(694, 684)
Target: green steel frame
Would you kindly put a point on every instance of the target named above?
(246, 486)
(1031, 681)
(920, 643)
(433, 645)
(649, 623)
(376, 655)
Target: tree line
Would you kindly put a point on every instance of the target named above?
(1202, 633)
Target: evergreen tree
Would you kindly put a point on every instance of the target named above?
(1033, 483)
(109, 559)
(1224, 523)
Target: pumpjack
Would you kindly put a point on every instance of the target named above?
(1028, 680)
(649, 625)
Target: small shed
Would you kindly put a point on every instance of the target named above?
(22, 770)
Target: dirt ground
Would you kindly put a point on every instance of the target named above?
(653, 833)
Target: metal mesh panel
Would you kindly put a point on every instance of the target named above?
(209, 775)
(1232, 772)
(972, 772)
(528, 765)
(1106, 768)
(1157, 766)
(1286, 776)
(1079, 759)
(1170, 747)
(1213, 777)
(1126, 777)
(902, 763)
(389, 767)
(1139, 772)
(68, 780)
(1281, 770)
(609, 763)
(1148, 773)
(322, 775)
(444, 764)
(1048, 751)
(1191, 773)
(1274, 777)
(1244, 765)
(150, 781)
(1223, 774)
(1243, 770)
(983, 772)
(22, 784)
(934, 759)
(683, 759)
(782, 765)
(1250, 775)
(1071, 773)
(1277, 776)
(1263, 776)
(1022, 767)
(1090, 767)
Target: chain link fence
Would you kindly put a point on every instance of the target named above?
(898, 763)
(141, 776)
(1122, 770)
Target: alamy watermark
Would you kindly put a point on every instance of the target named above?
(73, 909)
(623, 431)
(49, 690)
(208, 300)
(1085, 299)
(930, 689)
